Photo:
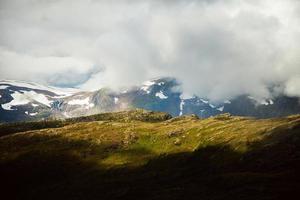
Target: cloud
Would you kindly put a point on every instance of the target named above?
(293, 86)
(217, 49)
(47, 69)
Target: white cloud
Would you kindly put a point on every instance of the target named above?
(23, 66)
(217, 49)
(292, 86)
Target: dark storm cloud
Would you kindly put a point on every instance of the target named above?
(217, 49)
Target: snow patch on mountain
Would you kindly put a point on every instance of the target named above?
(265, 102)
(31, 114)
(146, 86)
(227, 102)
(3, 87)
(161, 95)
(186, 96)
(221, 108)
(183, 97)
(82, 102)
(204, 101)
(79, 101)
(116, 99)
(181, 107)
(66, 115)
(25, 97)
(59, 91)
(212, 106)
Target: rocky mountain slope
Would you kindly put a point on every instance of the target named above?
(29, 101)
(148, 155)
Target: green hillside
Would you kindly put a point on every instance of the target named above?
(147, 155)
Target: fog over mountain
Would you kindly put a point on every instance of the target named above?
(216, 49)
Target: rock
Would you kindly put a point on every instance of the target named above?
(112, 146)
(130, 138)
(225, 116)
(175, 133)
(177, 142)
(183, 117)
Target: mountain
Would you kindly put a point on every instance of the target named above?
(147, 155)
(23, 101)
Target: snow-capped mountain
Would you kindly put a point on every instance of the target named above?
(22, 100)
(30, 101)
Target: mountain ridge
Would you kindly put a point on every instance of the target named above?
(22, 101)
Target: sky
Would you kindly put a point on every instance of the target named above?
(217, 49)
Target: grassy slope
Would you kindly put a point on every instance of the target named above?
(181, 158)
(137, 114)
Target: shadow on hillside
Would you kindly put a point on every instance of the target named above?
(270, 170)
